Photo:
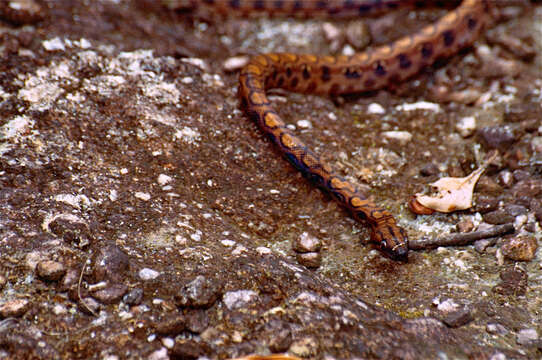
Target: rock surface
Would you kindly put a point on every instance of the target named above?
(122, 148)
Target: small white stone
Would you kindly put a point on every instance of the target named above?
(447, 306)
(160, 354)
(304, 124)
(466, 126)
(262, 250)
(168, 342)
(142, 196)
(187, 80)
(237, 299)
(164, 179)
(148, 274)
(420, 105)
(376, 108)
(403, 137)
(235, 63)
(54, 44)
(526, 336)
(227, 242)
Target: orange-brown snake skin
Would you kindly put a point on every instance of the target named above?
(370, 70)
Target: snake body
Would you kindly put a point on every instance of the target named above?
(369, 70)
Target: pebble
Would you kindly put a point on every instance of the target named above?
(458, 318)
(71, 278)
(358, 34)
(133, 297)
(172, 324)
(485, 204)
(527, 336)
(50, 270)
(304, 124)
(376, 108)
(498, 217)
(3, 282)
(200, 292)
(499, 137)
(89, 306)
(239, 299)
(494, 328)
(514, 282)
(280, 341)
(402, 137)
(188, 349)
(148, 274)
(481, 245)
(305, 347)
(71, 230)
(160, 354)
(466, 126)
(110, 263)
(310, 259)
(197, 321)
(505, 178)
(235, 63)
(520, 248)
(14, 308)
(515, 210)
(429, 169)
(465, 225)
(111, 294)
(306, 243)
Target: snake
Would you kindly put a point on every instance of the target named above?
(370, 70)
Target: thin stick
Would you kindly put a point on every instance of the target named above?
(460, 239)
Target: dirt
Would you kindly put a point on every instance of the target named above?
(143, 216)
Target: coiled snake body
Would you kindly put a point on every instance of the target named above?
(369, 70)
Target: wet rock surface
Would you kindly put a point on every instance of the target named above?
(142, 213)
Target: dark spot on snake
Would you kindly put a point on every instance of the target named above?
(280, 81)
(235, 4)
(298, 5)
(306, 74)
(404, 61)
(427, 50)
(348, 4)
(337, 195)
(326, 76)
(274, 74)
(322, 4)
(288, 72)
(209, 2)
(311, 87)
(361, 215)
(471, 23)
(294, 82)
(351, 74)
(380, 70)
(334, 89)
(448, 37)
(278, 4)
(258, 5)
(364, 9)
(392, 5)
(254, 116)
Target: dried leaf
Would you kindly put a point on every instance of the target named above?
(452, 193)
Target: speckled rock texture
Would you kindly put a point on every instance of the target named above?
(142, 215)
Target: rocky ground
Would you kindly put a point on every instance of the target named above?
(143, 216)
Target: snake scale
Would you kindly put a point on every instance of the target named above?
(333, 75)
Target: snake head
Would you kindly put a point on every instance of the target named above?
(391, 240)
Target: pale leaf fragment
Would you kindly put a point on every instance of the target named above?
(452, 193)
